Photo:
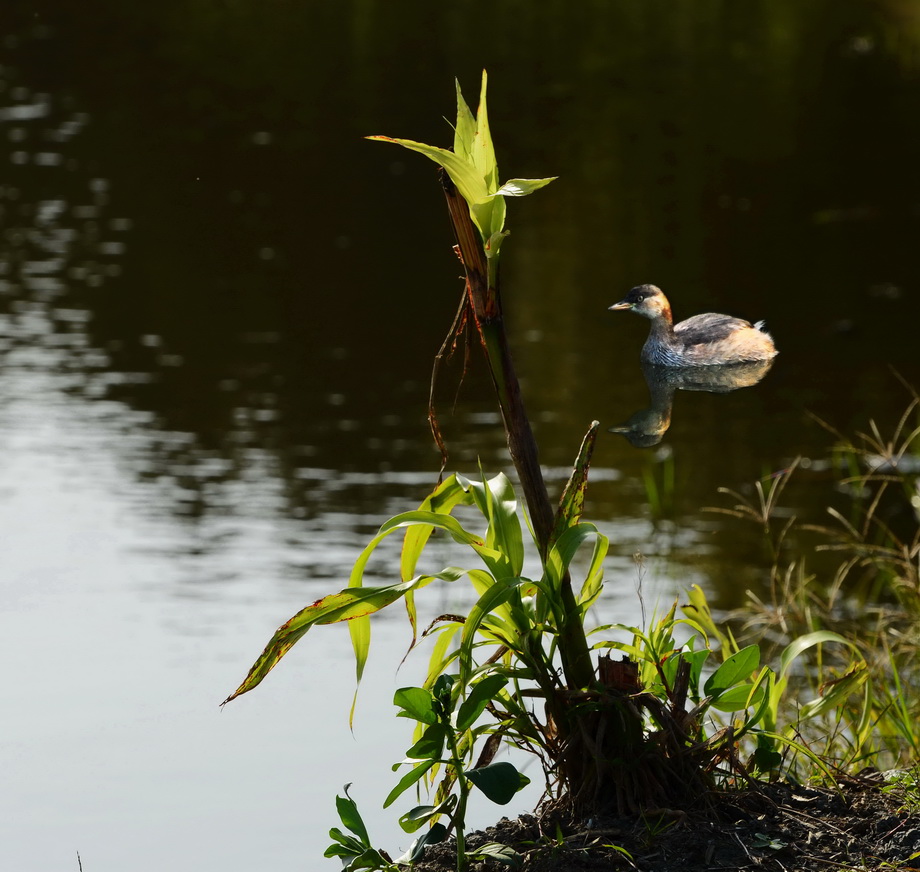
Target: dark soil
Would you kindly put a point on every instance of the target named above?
(772, 828)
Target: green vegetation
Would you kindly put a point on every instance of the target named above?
(866, 706)
(688, 706)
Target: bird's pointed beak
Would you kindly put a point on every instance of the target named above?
(619, 307)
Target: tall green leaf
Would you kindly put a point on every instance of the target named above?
(413, 775)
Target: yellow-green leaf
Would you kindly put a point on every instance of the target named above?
(345, 605)
(464, 175)
(483, 149)
(522, 187)
(465, 129)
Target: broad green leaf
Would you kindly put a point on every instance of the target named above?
(523, 187)
(765, 755)
(349, 847)
(737, 698)
(431, 744)
(498, 781)
(350, 817)
(442, 691)
(437, 833)
(407, 781)
(737, 668)
(421, 814)
(499, 853)
(416, 703)
(483, 692)
(371, 858)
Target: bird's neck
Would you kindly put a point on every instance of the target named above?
(662, 324)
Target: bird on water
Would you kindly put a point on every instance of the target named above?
(703, 340)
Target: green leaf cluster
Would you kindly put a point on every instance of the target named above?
(354, 848)
(751, 695)
(472, 167)
(447, 729)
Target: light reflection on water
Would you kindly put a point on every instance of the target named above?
(144, 570)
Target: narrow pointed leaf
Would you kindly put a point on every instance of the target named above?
(698, 609)
(345, 605)
(522, 187)
(465, 129)
(469, 181)
(803, 643)
(497, 501)
(495, 596)
(564, 549)
(407, 781)
(359, 630)
(572, 503)
(448, 523)
(441, 501)
(483, 148)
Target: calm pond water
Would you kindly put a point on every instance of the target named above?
(218, 311)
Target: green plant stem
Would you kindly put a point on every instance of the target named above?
(485, 302)
(463, 792)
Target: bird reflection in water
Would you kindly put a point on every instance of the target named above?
(648, 426)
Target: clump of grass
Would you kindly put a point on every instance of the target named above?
(869, 593)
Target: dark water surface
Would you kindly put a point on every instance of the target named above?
(218, 311)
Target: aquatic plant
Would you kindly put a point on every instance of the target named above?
(868, 709)
(625, 735)
(473, 169)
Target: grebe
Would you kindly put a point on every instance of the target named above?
(702, 340)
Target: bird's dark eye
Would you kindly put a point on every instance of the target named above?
(640, 298)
